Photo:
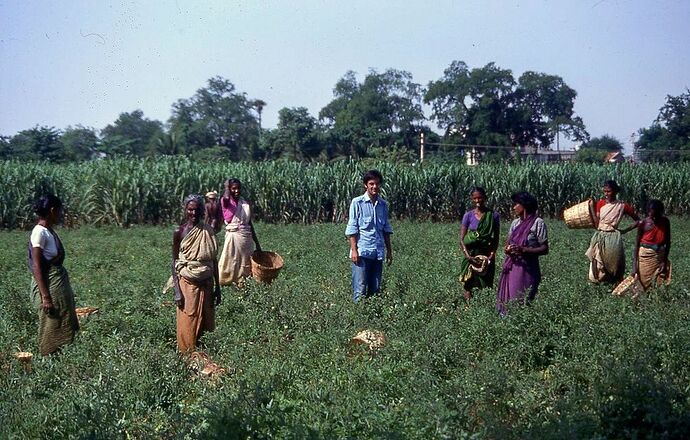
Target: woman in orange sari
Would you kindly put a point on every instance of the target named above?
(606, 254)
(194, 275)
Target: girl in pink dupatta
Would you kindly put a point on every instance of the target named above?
(527, 240)
(240, 236)
(606, 254)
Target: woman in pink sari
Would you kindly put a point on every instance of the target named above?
(527, 240)
(240, 237)
(605, 253)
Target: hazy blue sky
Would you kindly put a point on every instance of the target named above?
(84, 62)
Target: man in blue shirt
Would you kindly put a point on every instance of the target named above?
(368, 230)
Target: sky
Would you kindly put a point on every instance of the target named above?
(84, 62)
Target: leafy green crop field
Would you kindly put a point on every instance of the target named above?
(578, 363)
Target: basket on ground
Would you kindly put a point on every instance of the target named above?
(266, 265)
(629, 286)
(580, 216)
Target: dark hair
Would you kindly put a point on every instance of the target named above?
(478, 189)
(613, 185)
(231, 181)
(372, 175)
(527, 201)
(45, 203)
(656, 205)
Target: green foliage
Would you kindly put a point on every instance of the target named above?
(577, 363)
(217, 115)
(81, 143)
(298, 136)
(668, 138)
(486, 106)
(131, 191)
(131, 134)
(384, 110)
(605, 143)
(38, 143)
(590, 155)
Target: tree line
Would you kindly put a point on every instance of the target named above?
(379, 117)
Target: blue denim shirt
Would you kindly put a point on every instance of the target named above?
(369, 221)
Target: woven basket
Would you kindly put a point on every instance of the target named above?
(266, 266)
(580, 216)
(629, 286)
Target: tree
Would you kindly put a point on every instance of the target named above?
(596, 149)
(131, 134)
(605, 143)
(5, 148)
(38, 143)
(486, 106)
(298, 136)
(668, 138)
(217, 116)
(81, 143)
(384, 110)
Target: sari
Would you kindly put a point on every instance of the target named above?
(649, 259)
(235, 259)
(480, 242)
(60, 326)
(605, 252)
(194, 268)
(521, 273)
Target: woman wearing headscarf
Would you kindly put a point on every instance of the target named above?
(194, 275)
(479, 232)
(605, 253)
(527, 241)
(51, 291)
(240, 236)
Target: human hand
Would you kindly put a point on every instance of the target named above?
(355, 256)
(48, 307)
(389, 258)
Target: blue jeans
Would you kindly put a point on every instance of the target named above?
(366, 277)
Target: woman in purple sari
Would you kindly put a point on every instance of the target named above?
(527, 240)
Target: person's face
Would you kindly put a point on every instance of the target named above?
(518, 209)
(212, 200)
(652, 213)
(478, 199)
(373, 187)
(56, 215)
(235, 190)
(609, 193)
(193, 212)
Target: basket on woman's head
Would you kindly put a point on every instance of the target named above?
(266, 266)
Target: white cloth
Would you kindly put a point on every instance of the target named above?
(42, 238)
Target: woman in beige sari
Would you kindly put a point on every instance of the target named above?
(240, 237)
(606, 254)
(195, 275)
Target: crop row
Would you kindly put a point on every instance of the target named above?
(130, 191)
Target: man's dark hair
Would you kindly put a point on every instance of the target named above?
(371, 175)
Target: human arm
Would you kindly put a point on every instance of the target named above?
(216, 280)
(666, 248)
(636, 249)
(352, 231)
(177, 239)
(254, 237)
(630, 212)
(389, 249)
(38, 271)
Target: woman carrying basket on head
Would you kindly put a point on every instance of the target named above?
(479, 234)
(240, 237)
(606, 253)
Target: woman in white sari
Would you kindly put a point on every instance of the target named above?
(605, 253)
(240, 237)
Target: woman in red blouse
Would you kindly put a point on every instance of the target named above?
(652, 245)
(605, 253)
